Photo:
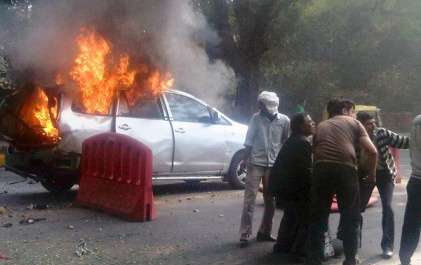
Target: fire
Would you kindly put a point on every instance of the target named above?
(38, 113)
(97, 84)
(99, 76)
(153, 83)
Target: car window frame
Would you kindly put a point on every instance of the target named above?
(122, 100)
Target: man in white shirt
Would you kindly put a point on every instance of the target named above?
(267, 131)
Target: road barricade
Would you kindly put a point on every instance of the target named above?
(117, 177)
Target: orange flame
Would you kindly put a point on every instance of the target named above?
(98, 77)
(38, 113)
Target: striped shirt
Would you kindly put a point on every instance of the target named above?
(384, 139)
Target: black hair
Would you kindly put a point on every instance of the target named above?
(296, 121)
(364, 116)
(335, 106)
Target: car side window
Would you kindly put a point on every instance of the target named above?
(144, 108)
(148, 109)
(187, 109)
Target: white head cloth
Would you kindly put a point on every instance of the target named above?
(271, 101)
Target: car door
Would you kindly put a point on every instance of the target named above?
(145, 121)
(199, 142)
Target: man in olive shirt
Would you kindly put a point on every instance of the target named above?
(335, 171)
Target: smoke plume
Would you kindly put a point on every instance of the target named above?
(168, 34)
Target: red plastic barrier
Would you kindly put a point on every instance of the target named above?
(335, 208)
(117, 177)
(395, 153)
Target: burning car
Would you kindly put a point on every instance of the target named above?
(190, 140)
(105, 92)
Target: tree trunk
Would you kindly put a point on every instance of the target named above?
(243, 49)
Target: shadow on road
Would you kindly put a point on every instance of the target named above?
(24, 194)
(181, 187)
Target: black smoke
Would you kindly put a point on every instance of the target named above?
(168, 34)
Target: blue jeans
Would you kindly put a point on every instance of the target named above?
(385, 186)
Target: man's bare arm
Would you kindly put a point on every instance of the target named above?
(369, 147)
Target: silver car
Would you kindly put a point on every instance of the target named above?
(190, 140)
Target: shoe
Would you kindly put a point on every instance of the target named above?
(387, 254)
(261, 237)
(244, 239)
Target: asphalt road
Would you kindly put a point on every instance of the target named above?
(195, 224)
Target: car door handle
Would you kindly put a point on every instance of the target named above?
(180, 130)
(124, 127)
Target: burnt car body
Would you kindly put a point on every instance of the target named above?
(189, 139)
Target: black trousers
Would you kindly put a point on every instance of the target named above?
(411, 221)
(328, 179)
(293, 228)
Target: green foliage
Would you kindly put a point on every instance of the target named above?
(366, 50)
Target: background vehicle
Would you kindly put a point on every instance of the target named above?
(373, 110)
(189, 139)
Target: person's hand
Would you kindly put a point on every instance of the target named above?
(243, 166)
(370, 179)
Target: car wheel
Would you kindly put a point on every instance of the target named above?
(236, 178)
(58, 185)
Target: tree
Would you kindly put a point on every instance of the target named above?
(243, 26)
(363, 50)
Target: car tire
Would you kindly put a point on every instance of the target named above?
(58, 185)
(236, 180)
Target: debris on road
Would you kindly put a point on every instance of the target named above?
(31, 220)
(32, 206)
(82, 249)
(7, 225)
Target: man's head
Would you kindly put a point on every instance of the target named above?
(367, 121)
(270, 101)
(340, 107)
(301, 123)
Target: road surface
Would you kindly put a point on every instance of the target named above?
(195, 224)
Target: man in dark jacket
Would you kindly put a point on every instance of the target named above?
(289, 182)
